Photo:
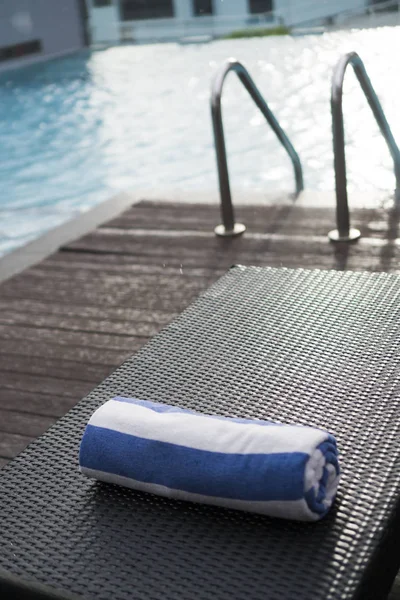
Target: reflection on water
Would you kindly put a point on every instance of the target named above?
(78, 130)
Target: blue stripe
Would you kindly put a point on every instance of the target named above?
(330, 452)
(256, 477)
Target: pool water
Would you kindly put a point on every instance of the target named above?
(76, 131)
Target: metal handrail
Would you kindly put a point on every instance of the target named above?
(229, 227)
(344, 233)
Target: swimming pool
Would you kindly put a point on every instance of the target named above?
(76, 131)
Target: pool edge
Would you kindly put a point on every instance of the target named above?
(35, 251)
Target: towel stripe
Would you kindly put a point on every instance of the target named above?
(284, 509)
(202, 432)
(253, 477)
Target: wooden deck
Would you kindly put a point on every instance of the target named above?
(67, 322)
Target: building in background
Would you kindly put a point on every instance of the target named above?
(32, 30)
(152, 20)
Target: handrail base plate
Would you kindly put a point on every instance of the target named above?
(238, 229)
(352, 236)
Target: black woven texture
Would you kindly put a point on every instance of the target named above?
(317, 348)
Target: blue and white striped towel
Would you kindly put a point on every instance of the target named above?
(283, 471)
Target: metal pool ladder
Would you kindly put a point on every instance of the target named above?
(229, 227)
(345, 233)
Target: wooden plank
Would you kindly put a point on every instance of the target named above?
(71, 323)
(69, 338)
(89, 282)
(12, 444)
(88, 278)
(334, 258)
(96, 356)
(360, 256)
(24, 424)
(44, 385)
(90, 263)
(156, 299)
(176, 245)
(221, 263)
(210, 247)
(288, 218)
(67, 259)
(110, 313)
(62, 368)
(123, 266)
(36, 403)
(75, 296)
(150, 295)
(202, 218)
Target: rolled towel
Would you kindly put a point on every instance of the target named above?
(285, 471)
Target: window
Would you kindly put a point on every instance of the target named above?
(18, 50)
(261, 6)
(202, 7)
(132, 10)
